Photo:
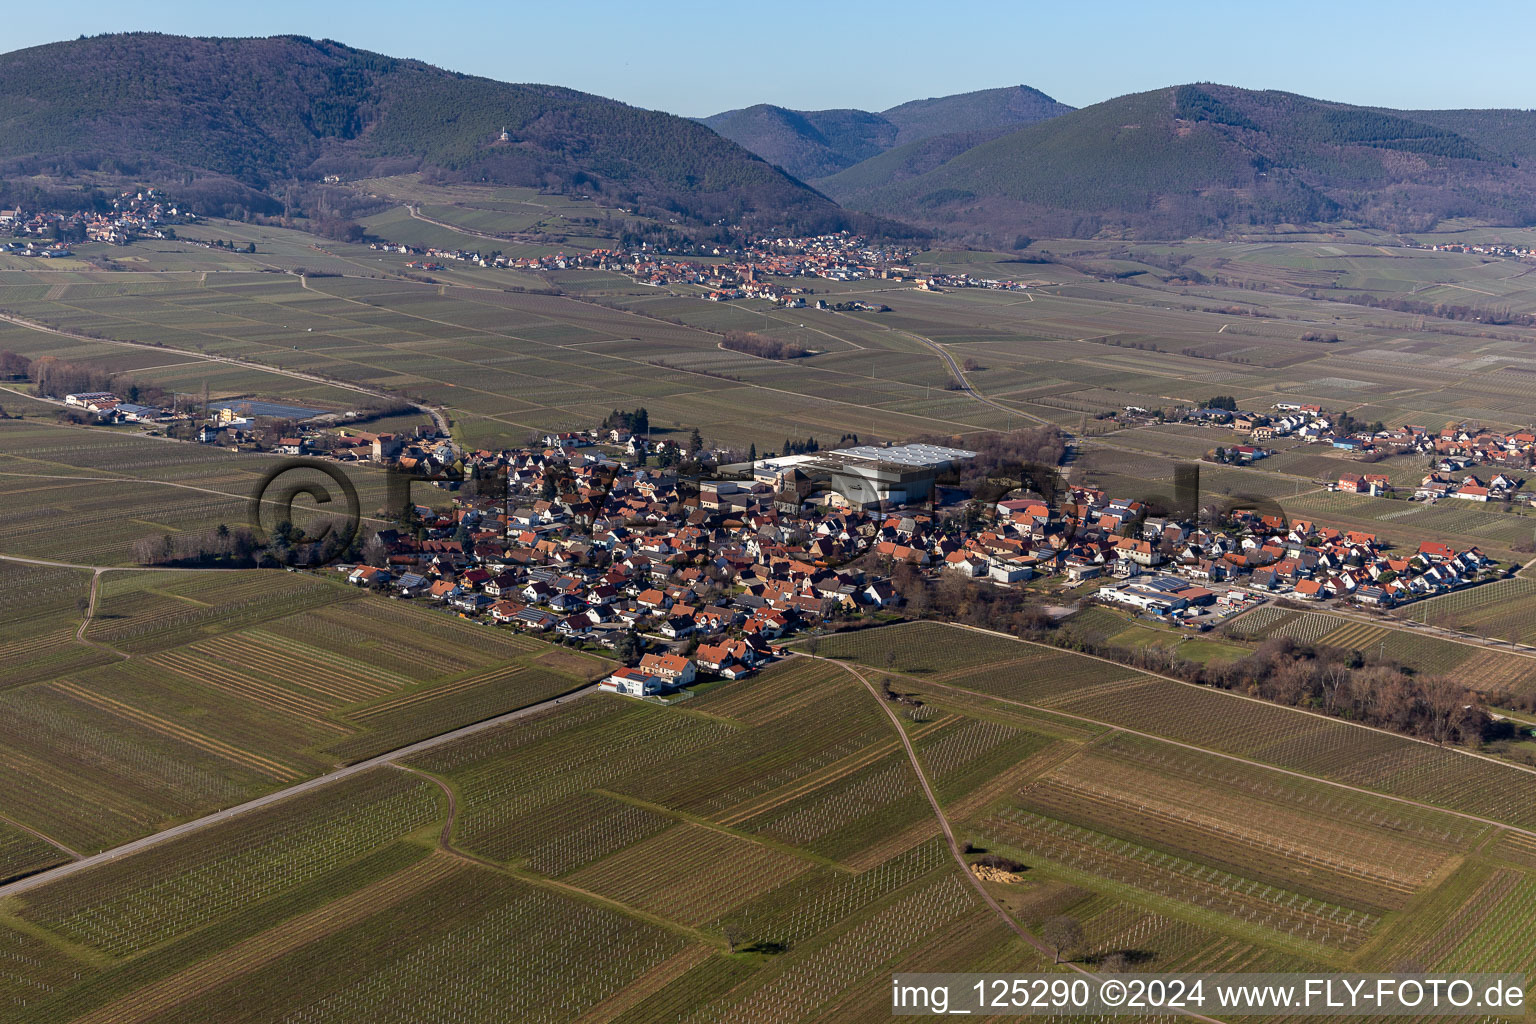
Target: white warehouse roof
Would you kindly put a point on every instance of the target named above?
(906, 454)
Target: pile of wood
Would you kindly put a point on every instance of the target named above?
(988, 873)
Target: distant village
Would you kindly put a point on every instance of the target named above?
(1494, 462)
(1501, 249)
(726, 274)
(137, 213)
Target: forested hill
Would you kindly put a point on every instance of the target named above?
(1208, 159)
(972, 112)
(812, 144)
(242, 120)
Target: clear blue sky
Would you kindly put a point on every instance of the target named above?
(699, 58)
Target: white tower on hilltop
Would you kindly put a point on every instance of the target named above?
(505, 137)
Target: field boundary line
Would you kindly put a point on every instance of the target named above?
(438, 416)
(1211, 689)
(90, 614)
(817, 781)
(445, 843)
(689, 818)
(64, 480)
(45, 838)
(266, 947)
(319, 782)
(647, 985)
(165, 727)
(1039, 945)
(1407, 801)
(445, 838)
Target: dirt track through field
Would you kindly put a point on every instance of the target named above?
(240, 810)
(1039, 945)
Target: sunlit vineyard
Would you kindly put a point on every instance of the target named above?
(136, 903)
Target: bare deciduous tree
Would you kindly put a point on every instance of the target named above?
(1063, 934)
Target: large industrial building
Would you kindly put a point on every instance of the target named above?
(865, 475)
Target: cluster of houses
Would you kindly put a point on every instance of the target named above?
(1440, 484)
(1523, 252)
(723, 273)
(939, 282)
(1287, 419)
(585, 547)
(136, 213)
(707, 578)
(1263, 552)
(1454, 447)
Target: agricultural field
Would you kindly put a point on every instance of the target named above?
(1219, 838)
(764, 850)
(506, 360)
(1048, 680)
(41, 607)
(1505, 609)
(571, 835)
(86, 495)
(1491, 670)
(190, 691)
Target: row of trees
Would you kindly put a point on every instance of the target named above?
(1362, 687)
(239, 548)
(56, 378)
(1348, 684)
(221, 546)
(762, 346)
(1498, 315)
(636, 422)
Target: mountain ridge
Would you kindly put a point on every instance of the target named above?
(1210, 159)
(241, 122)
(814, 144)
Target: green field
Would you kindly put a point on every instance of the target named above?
(192, 691)
(505, 361)
(763, 851)
(1505, 609)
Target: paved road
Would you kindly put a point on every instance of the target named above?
(240, 810)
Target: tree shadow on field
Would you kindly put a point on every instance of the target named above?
(766, 947)
(1116, 960)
